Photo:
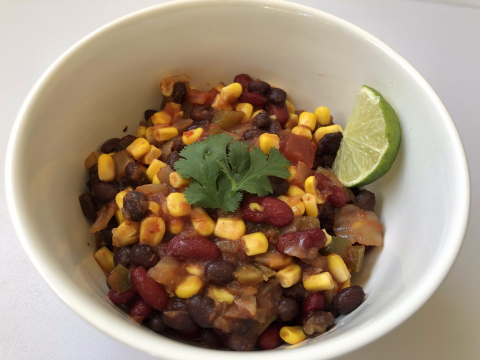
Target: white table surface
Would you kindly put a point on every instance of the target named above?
(439, 38)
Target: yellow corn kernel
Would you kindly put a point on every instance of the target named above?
(126, 233)
(297, 205)
(175, 225)
(104, 258)
(219, 103)
(290, 107)
(229, 228)
(203, 223)
(166, 133)
(154, 208)
(292, 121)
(346, 284)
(322, 113)
(302, 131)
(292, 334)
(219, 87)
(189, 287)
(141, 132)
(222, 295)
(257, 112)
(328, 236)
(319, 282)
(152, 230)
(176, 107)
(189, 137)
(176, 180)
(177, 204)
(311, 188)
(322, 131)
(155, 180)
(247, 110)
(152, 170)
(231, 92)
(274, 261)
(192, 87)
(194, 269)
(149, 135)
(119, 216)
(138, 148)
(337, 268)
(106, 168)
(294, 190)
(290, 275)
(310, 202)
(153, 153)
(308, 120)
(254, 244)
(293, 171)
(267, 141)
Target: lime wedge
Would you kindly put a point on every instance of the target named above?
(370, 141)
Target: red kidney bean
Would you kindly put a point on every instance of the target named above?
(105, 192)
(317, 322)
(151, 291)
(277, 97)
(275, 212)
(256, 100)
(188, 334)
(280, 113)
(179, 320)
(126, 141)
(244, 80)
(270, 338)
(313, 302)
(335, 195)
(148, 114)
(156, 323)
(287, 309)
(220, 272)
(140, 310)
(259, 87)
(89, 208)
(111, 145)
(195, 247)
(202, 310)
(301, 244)
(124, 297)
(348, 299)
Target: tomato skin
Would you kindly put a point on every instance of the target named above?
(297, 148)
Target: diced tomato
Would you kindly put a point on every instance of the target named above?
(297, 148)
(198, 97)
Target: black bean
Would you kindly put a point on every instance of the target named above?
(177, 304)
(126, 141)
(93, 176)
(105, 235)
(89, 207)
(135, 175)
(296, 292)
(135, 206)
(330, 143)
(210, 340)
(172, 158)
(241, 326)
(287, 309)
(240, 342)
(179, 92)
(323, 160)
(275, 127)
(279, 185)
(219, 272)
(148, 114)
(348, 299)
(356, 190)
(317, 322)
(202, 310)
(252, 134)
(201, 113)
(122, 184)
(277, 97)
(143, 255)
(111, 145)
(156, 323)
(262, 120)
(105, 192)
(197, 124)
(93, 171)
(179, 320)
(327, 217)
(365, 200)
(122, 256)
(178, 144)
(259, 87)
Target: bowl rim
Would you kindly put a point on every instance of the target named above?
(369, 332)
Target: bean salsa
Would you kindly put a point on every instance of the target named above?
(254, 246)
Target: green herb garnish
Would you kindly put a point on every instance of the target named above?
(218, 178)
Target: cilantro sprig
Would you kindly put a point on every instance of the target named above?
(218, 176)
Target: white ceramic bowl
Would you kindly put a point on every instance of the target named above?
(108, 79)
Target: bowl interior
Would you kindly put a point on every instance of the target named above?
(106, 82)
